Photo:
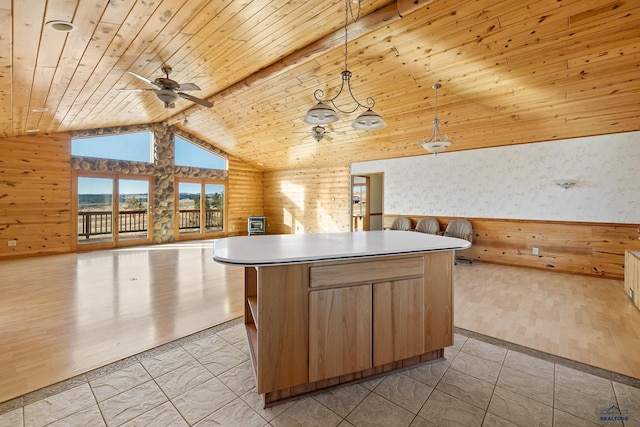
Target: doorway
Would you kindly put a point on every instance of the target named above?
(200, 208)
(111, 210)
(367, 202)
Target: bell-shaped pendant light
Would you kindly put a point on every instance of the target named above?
(369, 120)
(320, 114)
(436, 144)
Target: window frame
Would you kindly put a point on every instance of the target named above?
(200, 147)
(151, 146)
(202, 233)
(115, 238)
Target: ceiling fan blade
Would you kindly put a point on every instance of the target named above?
(189, 86)
(196, 100)
(144, 79)
(136, 90)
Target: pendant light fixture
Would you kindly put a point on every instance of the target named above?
(436, 143)
(322, 113)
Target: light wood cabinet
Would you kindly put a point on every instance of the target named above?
(319, 324)
(632, 275)
(339, 331)
(398, 320)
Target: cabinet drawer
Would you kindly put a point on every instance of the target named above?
(366, 271)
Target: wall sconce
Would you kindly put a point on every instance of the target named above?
(565, 183)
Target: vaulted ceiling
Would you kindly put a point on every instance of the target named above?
(512, 71)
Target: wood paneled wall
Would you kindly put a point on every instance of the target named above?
(595, 249)
(312, 200)
(35, 195)
(245, 195)
(35, 210)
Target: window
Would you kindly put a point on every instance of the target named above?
(113, 210)
(189, 154)
(135, 147)
(95, 209)
(195, 218)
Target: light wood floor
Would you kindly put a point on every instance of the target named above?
(586, 319)
(64, 315)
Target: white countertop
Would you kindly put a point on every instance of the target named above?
(294, 248)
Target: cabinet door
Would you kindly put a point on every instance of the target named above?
(398, 320)
(339, 331)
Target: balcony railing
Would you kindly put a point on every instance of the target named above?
(190, 219)
(98, 223)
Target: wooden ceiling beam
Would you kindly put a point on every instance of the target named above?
(372, 22)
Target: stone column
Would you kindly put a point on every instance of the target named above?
(164, 192)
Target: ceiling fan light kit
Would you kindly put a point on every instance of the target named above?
(169, 97)
(318, 133)
(322, 113)
(436, 144)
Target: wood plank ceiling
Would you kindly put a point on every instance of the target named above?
(512, 71)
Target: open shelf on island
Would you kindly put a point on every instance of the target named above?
(252, 335)
(253, 306)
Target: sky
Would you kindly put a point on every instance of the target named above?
(136, 147)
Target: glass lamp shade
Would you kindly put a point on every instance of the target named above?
(320, 114)
(436, 147)
(369, 120)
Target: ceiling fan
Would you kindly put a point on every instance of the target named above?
(319, 132)
(167, 90)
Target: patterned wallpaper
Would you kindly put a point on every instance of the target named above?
(518, 182)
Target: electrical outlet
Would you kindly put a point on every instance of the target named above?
(12, 243)
(630, 292)
(535, 251)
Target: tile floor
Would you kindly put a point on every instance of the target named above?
(207, 380)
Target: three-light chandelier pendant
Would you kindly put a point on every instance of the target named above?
(324, 112)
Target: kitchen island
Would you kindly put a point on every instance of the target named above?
(327, 309)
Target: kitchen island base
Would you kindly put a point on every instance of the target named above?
(280, 396)
(322, 324)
